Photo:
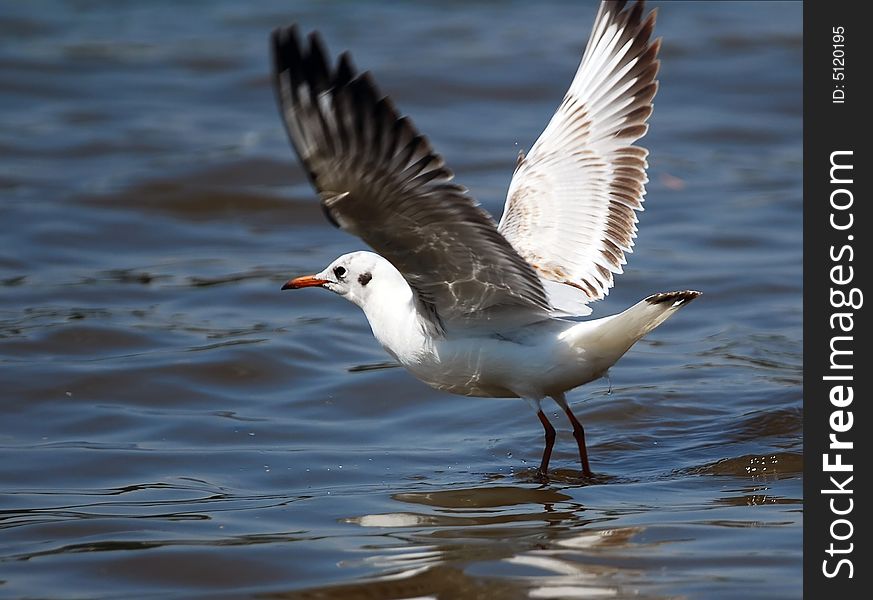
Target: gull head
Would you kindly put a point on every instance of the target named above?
(357, 277)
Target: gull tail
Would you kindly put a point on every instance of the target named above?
(613, 336)
(647, 314)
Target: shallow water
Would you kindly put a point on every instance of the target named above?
(174, 426)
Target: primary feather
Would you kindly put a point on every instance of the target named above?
(570, 209)
(379, 179)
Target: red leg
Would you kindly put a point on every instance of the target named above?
(579, 434)
(550, 441)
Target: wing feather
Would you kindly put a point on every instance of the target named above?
(571, 206)
(381, 180)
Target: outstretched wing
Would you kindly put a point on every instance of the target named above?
(570, 207)
(379, 179)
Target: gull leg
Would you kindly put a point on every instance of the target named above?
(550, 441)
(578, 433)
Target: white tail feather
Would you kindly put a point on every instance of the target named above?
(616, 334)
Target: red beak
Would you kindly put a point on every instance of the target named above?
(302, 282)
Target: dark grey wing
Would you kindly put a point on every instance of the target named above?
(379, 179)
(570, 210)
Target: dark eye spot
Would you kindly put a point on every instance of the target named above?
(340, 272)
(364, 278)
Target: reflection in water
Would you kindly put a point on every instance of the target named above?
(545, 548)
(476, 507)
(547, 543)
(489, 497)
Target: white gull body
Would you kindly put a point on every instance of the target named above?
(467, 305)
(532, 361)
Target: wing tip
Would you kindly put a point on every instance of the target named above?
(307, 62)
(284, 41)
(618, 10)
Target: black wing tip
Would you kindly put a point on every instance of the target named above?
(309, 62)
(676, 298)
(291, 54)
(283, 40)
(630, 10)
(282, 34)
(317, 46)
(345, 69)
(278, 39)
(633, 17)
(635, 26)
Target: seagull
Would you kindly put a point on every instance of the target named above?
(468, 305)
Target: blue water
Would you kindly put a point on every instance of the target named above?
(174, 426)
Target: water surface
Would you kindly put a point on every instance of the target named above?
(174, 426)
